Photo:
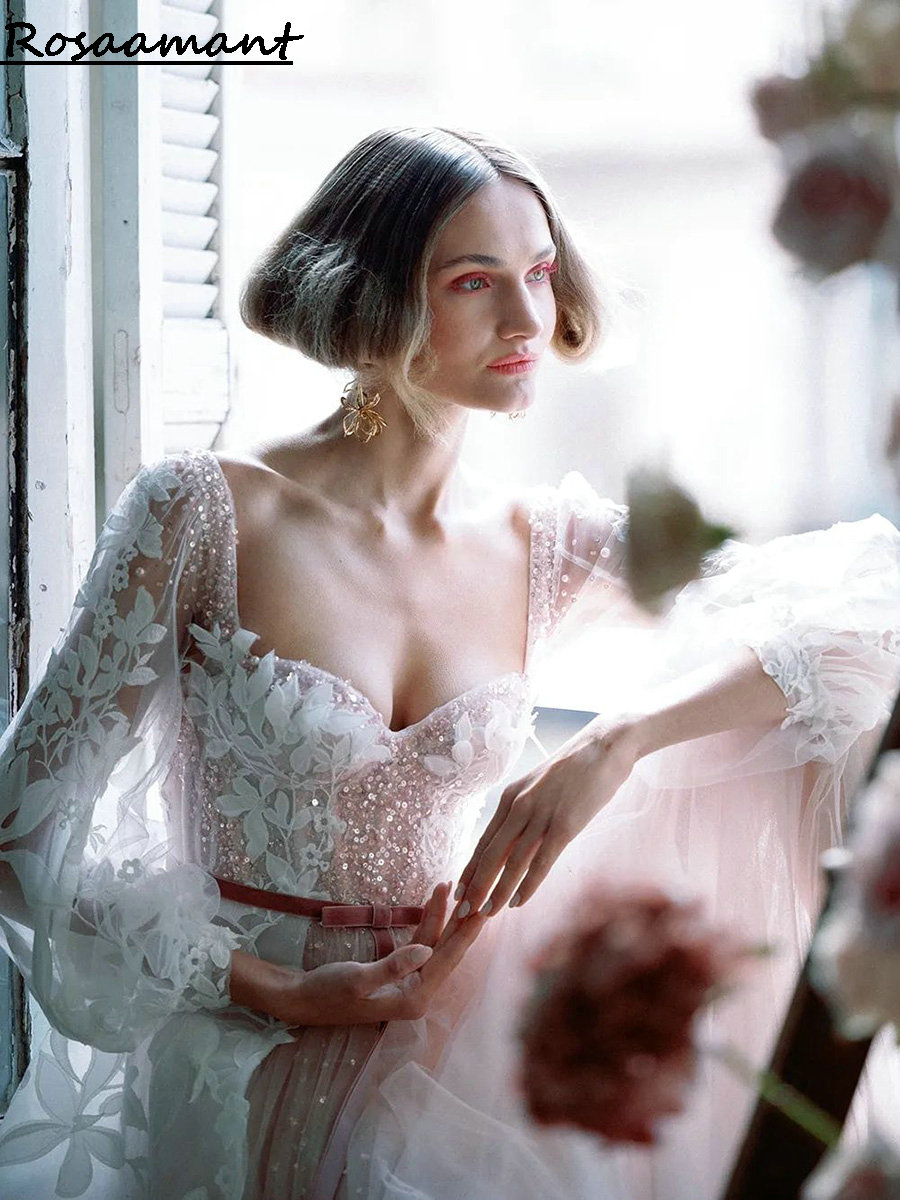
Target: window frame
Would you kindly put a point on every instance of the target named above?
(15, 1023)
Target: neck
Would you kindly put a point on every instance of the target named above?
(397, 472)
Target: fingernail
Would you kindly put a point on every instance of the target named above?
(420, 954)
(487, 907)
(463, 909)
(516, 900)
(458, 894)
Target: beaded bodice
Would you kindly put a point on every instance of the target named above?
(298, 783)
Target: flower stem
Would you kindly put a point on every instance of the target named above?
(781, 1095)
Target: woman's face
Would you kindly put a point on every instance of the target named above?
(491, 298)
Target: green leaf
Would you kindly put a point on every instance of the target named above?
(256, 832)
(140, 676)
(89, 655)
(232, 806)
(31, 1140)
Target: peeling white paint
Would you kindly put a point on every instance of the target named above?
(59, 371)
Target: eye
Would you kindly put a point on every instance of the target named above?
(545, 270)
(479, 283)
(460, 285)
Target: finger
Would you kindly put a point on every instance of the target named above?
(432, 923)
(393, 967)
(496, 855)
(517, 865)
(550, 850)
(493, 825)
(454, 923)
(448, 954)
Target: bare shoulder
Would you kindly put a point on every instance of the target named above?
(521, 512)
(269, 483)
(516, 502)
(253, 487)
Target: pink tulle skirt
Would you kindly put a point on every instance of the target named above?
(430, 1109)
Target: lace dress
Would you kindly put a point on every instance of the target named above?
(154, 755)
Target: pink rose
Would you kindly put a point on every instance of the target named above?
(607, 1036)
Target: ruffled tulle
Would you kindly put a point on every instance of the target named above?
(738, 818)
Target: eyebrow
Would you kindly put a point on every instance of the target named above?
(488, 260)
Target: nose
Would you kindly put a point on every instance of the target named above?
(519, 315)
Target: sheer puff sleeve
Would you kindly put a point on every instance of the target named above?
(113, 932)
(821, 610)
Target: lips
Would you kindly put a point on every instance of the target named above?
(515, 364)
(511, 359)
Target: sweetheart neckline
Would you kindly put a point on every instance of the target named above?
(522, 674)
(376, 713)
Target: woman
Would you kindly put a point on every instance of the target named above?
(293, 678)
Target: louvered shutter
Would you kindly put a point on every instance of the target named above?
(196, 374)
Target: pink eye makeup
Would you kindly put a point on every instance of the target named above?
(548, 269)
(545, 270)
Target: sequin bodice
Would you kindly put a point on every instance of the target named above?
(299, 784)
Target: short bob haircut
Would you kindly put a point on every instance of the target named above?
(346, 282)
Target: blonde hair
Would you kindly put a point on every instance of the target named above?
(346, 282)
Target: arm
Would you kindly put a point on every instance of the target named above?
(112, 931)
(729, 694)
(793, 646)
(817, 613)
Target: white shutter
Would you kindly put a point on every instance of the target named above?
(196, 367)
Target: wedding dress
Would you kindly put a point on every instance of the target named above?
(155, 756)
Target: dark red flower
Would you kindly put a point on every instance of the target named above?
(836, 205)
(608, 1034)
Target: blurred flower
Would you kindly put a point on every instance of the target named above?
(784, 104)
(667, 537)
(867, 1172)
(607, 1036)
(838, 203)
(871, 44)
(855, 960)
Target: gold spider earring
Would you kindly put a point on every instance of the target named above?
(361, 419)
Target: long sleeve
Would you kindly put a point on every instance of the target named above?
(111, 931)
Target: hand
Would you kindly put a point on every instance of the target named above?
(398, 987)
(539, 814)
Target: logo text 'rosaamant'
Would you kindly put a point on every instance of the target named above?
(168, 46)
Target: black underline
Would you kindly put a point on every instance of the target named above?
(146, 62)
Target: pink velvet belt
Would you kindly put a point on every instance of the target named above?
(378, 917)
